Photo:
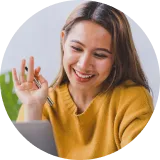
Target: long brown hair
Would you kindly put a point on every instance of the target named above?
(126, 61)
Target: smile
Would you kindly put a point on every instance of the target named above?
(83, 77)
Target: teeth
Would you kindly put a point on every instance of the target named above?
(83, 76)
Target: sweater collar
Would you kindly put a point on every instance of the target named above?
(71, 107)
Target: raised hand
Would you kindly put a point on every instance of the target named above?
(27, 91)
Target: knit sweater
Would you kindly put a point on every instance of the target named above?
(111, 121)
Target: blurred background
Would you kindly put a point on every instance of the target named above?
(39, 36)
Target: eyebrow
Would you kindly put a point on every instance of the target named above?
(102, 49)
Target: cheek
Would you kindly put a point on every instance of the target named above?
(69, 58)
(104, 68)
(65, 60)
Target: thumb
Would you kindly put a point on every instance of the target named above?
(43, 81)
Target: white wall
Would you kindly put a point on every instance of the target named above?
(39, 36)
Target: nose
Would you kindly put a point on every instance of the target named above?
(85, 62)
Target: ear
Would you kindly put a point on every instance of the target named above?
(62, 38)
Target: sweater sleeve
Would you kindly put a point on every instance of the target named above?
(135, 110)
(20, 117)
(134, 128)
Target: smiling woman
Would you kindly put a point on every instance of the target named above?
(87, 58)
(101, 96)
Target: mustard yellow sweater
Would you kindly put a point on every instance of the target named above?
(111, 121)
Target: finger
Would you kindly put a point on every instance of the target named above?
(22, 73)
(36, 72)
(43, 82)
(30, 75)
(15, 78)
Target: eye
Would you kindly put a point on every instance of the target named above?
(76, 49)
(80, 50)
(100, 56)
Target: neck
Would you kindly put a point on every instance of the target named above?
(82, 97)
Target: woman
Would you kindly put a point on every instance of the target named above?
(101, 96)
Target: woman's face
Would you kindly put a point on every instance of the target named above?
(87, 56)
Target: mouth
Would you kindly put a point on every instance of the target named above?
(83, 77)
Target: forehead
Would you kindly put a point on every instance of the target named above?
(90, 33)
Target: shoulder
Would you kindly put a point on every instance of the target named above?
(131, 94)
(133, 111)
(130, 88)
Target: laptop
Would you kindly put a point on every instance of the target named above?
(39, 134)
